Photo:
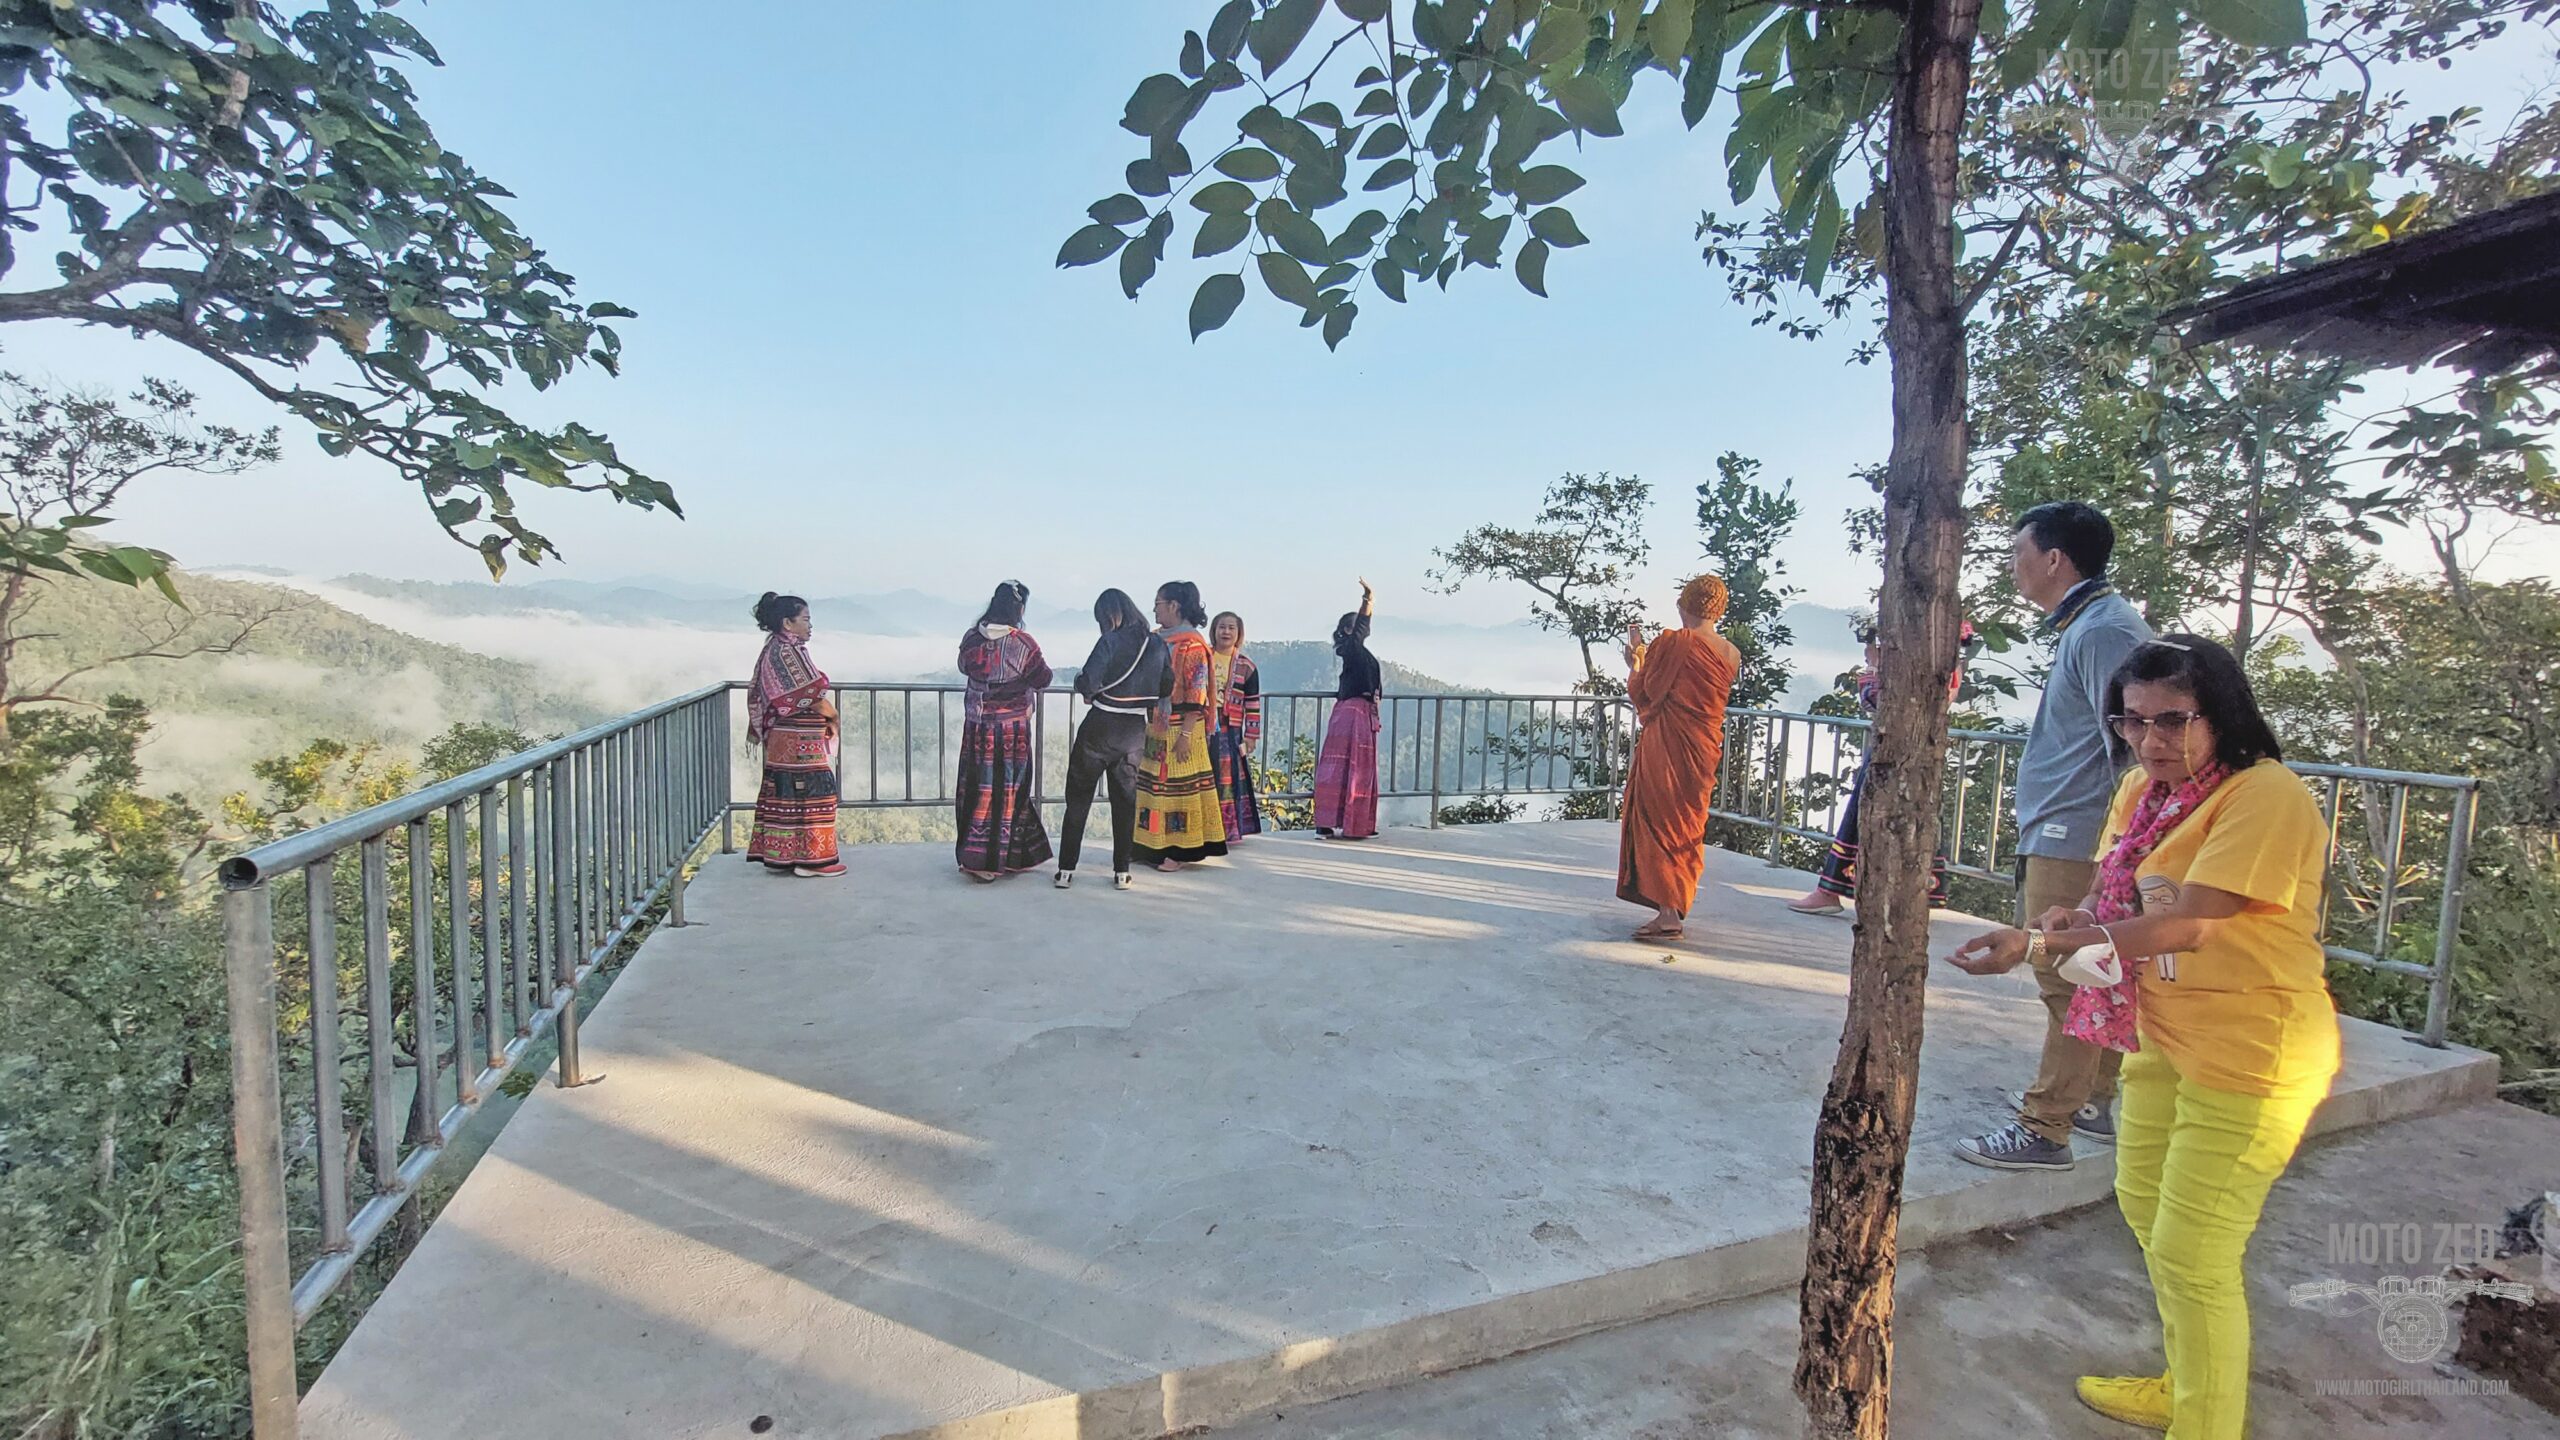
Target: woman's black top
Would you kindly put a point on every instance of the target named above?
(1128, 671)
(1361, 679)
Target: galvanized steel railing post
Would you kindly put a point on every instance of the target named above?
(564, 900)
(257, 1139)
(2457, 865)
(1436, 728)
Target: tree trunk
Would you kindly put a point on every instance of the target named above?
(2245, 631)
(1845, 1358)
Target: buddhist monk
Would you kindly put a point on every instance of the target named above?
(1679, 682)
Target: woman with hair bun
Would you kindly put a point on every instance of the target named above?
(1679, 681)
(1178, 819)
(1346, 805)
(999, 817)
(791, 712)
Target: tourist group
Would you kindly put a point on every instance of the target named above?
(1172, 725)
(2170, 873)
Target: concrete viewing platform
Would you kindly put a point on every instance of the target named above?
(901, 1155)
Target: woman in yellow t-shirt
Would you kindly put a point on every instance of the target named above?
(2211, 871)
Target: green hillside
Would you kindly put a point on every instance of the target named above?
(309, 669)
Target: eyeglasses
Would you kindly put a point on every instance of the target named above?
(2170, 723)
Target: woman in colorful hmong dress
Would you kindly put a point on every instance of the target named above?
(1679, 682)
(1178, 819)
(1000, 829)
(1235, 726)
(791, 712)
(1347, 767)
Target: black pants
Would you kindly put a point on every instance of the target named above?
(1107, 749)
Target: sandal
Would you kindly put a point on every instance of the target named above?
(818, 872)
(1801, 908)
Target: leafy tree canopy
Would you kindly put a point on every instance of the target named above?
(261, 188)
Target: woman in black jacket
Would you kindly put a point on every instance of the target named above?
(1124, 677)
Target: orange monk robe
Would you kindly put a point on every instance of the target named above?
(1679, 687)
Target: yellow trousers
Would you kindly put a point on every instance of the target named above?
(2193, 1167)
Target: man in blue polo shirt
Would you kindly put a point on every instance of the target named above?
(2066, 779)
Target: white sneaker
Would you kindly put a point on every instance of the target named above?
(1065, 879)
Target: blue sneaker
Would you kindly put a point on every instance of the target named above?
(2014, 1147)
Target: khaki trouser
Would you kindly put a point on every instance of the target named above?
(2072, 1073)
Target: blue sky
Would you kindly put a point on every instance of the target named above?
(860, 370)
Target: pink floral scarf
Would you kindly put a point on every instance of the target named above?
(2105, 1014)
(786, 683)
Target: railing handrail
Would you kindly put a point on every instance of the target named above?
(278, 857)
(2324, 769)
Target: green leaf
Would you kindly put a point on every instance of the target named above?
(143, 113)
(105, 566)
(474, 454)
(1381, 101)
(1561, 35)
(80, 522)
(139, 563)
(1586, 101)
(2276, 24)
(1390, 175)
(1425, 89)
(1138, 265)
(1385, 140)
(1090, 245)
(1670, 28)
(1293, 232)
(1706, 63)
(1324, 113)
(1555, 226)
(1286, 279)
(1249, 163)
(1531, 266)
(1337, 323)
(1157, 100)
(1274, 34)
(1215, 302)
(1225, 197)
(1221, 233)
(169, 587)
(1367, 12)
(1226, 32)
(1195, 54)
(1545, 185)
(1118, 210)
(1823, 239)
(1390, 279)
(1148, 178)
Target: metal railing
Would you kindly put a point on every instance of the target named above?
(1783, 769)
(521, 878)
(524, 876)
(1786, 772)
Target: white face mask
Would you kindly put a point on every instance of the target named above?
(2093, 966)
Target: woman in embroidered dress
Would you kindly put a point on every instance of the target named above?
(1235, 726)
(1347, 768)
(1679, 682)
(1178, 819)
(1000, 829)
(791, 713)
(2199, 957)
(1837, 882)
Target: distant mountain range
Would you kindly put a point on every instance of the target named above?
(309, 670)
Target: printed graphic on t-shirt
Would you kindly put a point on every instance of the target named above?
(2159, 893)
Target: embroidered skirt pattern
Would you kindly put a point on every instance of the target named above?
(1238, 808)
(1178, 813)
(1000, 829)
(796, 804)
(1347, 771)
